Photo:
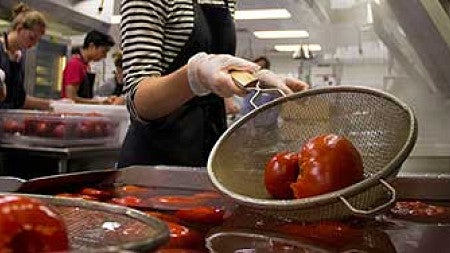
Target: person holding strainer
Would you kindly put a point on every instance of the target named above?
(177, 57)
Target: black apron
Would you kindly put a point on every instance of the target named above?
(86, 88)
(186, 137)
(14, 80)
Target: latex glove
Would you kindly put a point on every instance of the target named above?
(286, 84)
(210, 73)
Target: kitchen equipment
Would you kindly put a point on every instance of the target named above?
(382, 128)
(99, 227)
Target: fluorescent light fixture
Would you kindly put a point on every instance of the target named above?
(296, 47)
(262, 14)
(295, 34)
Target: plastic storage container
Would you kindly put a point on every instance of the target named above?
(114, 112)
(57, 129)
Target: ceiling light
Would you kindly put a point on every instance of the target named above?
(262, 14)
(297, 34)
(296, 47)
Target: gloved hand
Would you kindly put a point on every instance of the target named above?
(288, 85)
(210, 73)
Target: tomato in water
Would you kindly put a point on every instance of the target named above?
(202, 214)
(279, 173)
(100, 194)
(327, 163)
(130, 201)
(29, 226)
(183, 237)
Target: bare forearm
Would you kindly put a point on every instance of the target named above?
(159, 96)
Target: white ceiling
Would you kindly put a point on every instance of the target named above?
(327, 24)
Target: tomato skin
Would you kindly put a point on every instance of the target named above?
(163, 216)
(202, 214)
(327, 163)
(279, 173)
(130, 201)
(97, 193)
(183, 237)
(27, 225)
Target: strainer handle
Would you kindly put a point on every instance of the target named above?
(249, 82)
(376, 209)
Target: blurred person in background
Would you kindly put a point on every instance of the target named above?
(27, 27)
(113, 87)
(177, 58)
(78, 81)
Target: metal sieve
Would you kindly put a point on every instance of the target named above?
(100, 227)
(382, 128)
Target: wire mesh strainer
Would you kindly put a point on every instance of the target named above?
(99, 227)
(383, 129)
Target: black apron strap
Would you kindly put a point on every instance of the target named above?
(86, 88)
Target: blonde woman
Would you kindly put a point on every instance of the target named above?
(27, 27)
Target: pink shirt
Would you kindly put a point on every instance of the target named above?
(74, 73)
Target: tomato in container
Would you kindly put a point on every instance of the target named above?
(183, 237)
(130, 201)
(97, 193)
(202, 214)
(27, 225)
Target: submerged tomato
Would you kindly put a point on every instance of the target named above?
(100, 194)
(28, 226)
(327, 163)
(130, 201)
(202, 214)
(280, 172)
(183, 237)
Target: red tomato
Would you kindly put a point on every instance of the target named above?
(327, 163)
(202, 214)
(163, 216)
(331, 233)
(28, 226)
(280, 172)
(133, 189)
(12, 126)
(183, 237)
(175, 199)
(130, 201)
(100, 194)
(208, 195)
(59, 131)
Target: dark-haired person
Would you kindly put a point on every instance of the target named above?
(78, 81)
(27, 27)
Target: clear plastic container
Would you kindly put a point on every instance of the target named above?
(114, 112)
(57, 129)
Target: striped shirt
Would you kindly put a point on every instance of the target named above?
(153, 32)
